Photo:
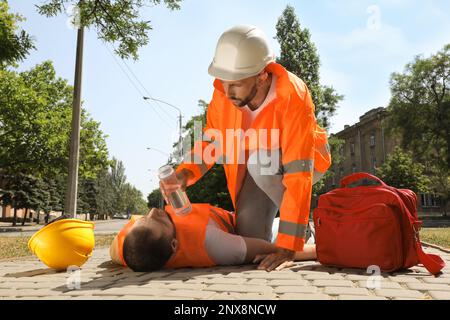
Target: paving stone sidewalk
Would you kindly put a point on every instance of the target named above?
(100, 279)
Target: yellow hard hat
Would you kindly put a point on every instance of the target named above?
(64, 243)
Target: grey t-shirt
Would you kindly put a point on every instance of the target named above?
(224, 248)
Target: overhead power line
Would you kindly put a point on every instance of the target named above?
(133, 83)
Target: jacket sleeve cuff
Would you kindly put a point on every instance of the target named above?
(290, 242)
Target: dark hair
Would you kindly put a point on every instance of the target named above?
(143, 252)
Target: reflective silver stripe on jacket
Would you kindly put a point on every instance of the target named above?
(299, 166)
(324, 149)
(292, 229)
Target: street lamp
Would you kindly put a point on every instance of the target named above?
(74, 153)
(180, 121)
(169, 160)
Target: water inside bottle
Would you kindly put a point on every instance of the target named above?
(179, 201)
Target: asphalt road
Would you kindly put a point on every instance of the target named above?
(101, 227)
(115, 225)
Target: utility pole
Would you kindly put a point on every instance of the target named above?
(72, 189)
(180, 123)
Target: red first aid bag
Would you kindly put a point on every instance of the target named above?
(372, 224)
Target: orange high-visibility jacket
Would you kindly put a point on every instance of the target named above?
(301, 142)
(190, 233)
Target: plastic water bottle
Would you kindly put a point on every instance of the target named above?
(177, 198)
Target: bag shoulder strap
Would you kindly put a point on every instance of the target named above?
(433, 263)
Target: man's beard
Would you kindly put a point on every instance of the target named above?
(249, 97)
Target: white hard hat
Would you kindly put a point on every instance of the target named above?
(241, 52)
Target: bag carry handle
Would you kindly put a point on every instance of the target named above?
(359, 176)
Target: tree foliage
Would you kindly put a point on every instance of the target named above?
(401, 171)
(15, 43)
(116, 21)
(154, 199)
(22, 191)
(299, 56)
(419, 111)
(35, 117)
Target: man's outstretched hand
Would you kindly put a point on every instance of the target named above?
(275, 261)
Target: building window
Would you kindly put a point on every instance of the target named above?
(333, 181)
(341, 150)
(354, 168)
(429, 200)
(372, 139)
(341, 172)
(352, 148)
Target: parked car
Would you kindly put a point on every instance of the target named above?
(120, 216)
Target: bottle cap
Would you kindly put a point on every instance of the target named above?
(165, 171)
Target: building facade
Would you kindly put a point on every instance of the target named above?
(367, 147)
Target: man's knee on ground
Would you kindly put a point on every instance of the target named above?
(248, 227)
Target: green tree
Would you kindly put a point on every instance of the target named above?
(116, 21)
(87, 197)
(21, 191)
(93, 150)
(299, 56)
(35, 115)
(36, 194)
(53, 198)
(106, 197)
(401, 171)
(15, 44)
(419, 112)
(118, 180)
(212, 188)
(131, 200)
(154, 199)
(118, 174)
(110, 193)
(440, 180)
(141, 205)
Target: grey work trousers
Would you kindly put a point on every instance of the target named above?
(259, 200)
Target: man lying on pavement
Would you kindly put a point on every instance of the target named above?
(203, 238)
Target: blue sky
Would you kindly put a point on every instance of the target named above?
(360, 44)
